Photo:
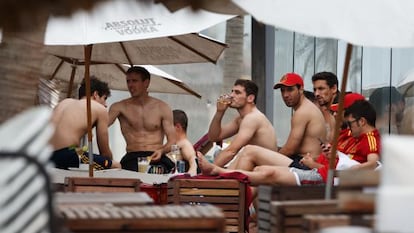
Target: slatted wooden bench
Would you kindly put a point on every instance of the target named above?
(95, 184)
(287, 216)
(269, 193)
(356, 201)
(155, 219)
(227, 194)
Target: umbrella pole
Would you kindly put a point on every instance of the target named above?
(72, 78)
(338, 122)
(88, 53)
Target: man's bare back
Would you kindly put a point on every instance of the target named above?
(71, 123)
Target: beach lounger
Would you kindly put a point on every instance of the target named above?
(25, 197)
(99, 184)
(227, 194)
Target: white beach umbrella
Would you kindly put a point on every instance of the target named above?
(111, 22)
(72, 71)
(380, 23)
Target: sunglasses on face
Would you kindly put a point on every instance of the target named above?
(349, 123)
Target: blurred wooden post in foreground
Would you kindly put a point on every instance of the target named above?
(23, 24)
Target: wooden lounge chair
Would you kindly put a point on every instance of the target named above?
(95, 184)
(26, 200)
(353, 206)
(228, 194)
(269, 193)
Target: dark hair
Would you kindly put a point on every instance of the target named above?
(96, 85)
(140, 70)
(362, 108)
(249, 86)
(310, 95)
(329, 77)
(382, 98)
(180, 118)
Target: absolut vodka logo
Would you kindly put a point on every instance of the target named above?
(133, 26)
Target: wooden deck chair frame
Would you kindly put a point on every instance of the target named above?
(100, 184)
(45, 189)
(228, 194)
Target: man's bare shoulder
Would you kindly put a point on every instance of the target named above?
(308, 110)
(122, 103)
(66, 102)
(255, 116)
(154, 100)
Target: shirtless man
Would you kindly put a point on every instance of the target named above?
(250, 127)
(186, 147)
(69, 118)
(325, 88)
(360, 119)
(144, 122)
(307, 129)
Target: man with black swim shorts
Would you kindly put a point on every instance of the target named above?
(145, 121)
(69, 119)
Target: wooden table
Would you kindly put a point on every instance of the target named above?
(94, 198)
(58, 175)
(155, 219)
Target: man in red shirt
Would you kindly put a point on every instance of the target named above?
(360, 118)
(345, 139)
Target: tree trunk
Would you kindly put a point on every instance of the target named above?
(21, 55)
(233, 57)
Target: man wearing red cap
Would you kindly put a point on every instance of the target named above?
(307, 123)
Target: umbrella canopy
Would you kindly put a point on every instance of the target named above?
(187, 48)
(55, 67)
(380, 23)
(111, 22)
(136, 32)
(406, 86)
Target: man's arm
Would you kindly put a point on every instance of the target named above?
(298, 126)
(247, 129)
(189, 154)
(102, 134)
(114, 112)
(371, 162)
(216, 132)
(168, 127)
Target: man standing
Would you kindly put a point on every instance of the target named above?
(144, 122)
(250, 127)
(69, 119)
(325, 88)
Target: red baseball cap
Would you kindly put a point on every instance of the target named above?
(349, 99)
(289, 79)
